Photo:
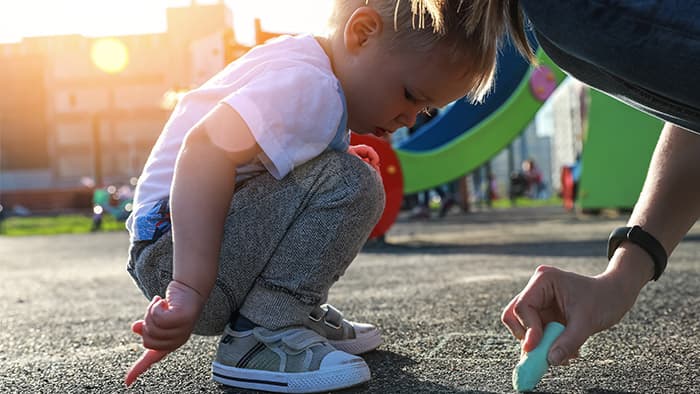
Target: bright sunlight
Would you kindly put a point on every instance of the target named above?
(100, 18)
(109, 55)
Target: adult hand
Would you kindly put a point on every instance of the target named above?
(167, 325)
(585, 305)
(367, 154)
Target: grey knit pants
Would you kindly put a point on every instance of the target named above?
(285, 243)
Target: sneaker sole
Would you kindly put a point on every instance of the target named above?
(359, 345)
(339, 377)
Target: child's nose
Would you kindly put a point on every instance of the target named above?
(408, 118)
(410, 121)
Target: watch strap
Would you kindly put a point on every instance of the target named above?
(646, 241)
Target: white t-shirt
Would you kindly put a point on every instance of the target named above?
(288, 96)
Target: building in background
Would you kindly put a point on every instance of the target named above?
(553, 139)
(65, 117)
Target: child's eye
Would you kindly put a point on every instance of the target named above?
(409, 96)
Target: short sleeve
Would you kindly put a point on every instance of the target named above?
(293, 113)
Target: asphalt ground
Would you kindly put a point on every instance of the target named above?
(436, 290)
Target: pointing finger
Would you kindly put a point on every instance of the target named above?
(148, 358)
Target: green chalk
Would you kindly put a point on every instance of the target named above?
(534, 364)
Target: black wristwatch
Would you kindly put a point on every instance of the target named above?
(646, 241)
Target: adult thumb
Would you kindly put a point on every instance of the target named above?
(568, 343)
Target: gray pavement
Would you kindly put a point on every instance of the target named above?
(436, 290)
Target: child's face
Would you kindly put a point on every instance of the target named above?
(385, 91)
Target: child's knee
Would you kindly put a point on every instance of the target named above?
(371, 193)
(363, 187)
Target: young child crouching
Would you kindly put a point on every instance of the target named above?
(252, 203)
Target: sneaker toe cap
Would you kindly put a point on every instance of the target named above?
(337, 357)
(363, 328)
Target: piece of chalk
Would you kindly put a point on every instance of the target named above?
(533, 365)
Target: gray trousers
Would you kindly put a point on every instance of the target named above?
(285, 243)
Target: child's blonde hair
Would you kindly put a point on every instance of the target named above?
(472, 29)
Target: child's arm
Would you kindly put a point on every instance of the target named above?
(201, 195)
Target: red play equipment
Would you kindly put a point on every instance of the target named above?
(392, 178)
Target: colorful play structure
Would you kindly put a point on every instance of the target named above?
(616, 154)
(464, 136)
(113, 201)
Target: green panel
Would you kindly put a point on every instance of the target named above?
(616, 153)
(424, 170)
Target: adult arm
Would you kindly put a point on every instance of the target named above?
(667, 207)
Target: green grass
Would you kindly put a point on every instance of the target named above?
(76, 224)
(51, 225)
(504, 203)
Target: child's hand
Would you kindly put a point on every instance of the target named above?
(167, 325)
(366, 153)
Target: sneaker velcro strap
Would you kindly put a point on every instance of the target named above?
(333, 317)
(296, 339)
(317, 314)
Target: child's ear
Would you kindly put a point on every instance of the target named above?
(364, 24)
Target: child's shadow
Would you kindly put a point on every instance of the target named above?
(389, 375)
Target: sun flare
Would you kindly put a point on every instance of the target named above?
(109, 55)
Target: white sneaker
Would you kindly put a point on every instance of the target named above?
(348, 336)
(290, 360)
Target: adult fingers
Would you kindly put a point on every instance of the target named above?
(148, 358)
(531, 305)
(511, 322)
(569, 342)
(567, 345)
(530, 319)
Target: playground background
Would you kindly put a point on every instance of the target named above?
(86, 124)
(70, 126)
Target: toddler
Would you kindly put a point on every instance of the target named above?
(252, 203)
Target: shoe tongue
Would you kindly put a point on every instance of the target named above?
(294, 338)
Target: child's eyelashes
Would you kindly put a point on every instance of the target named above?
(410, 97)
